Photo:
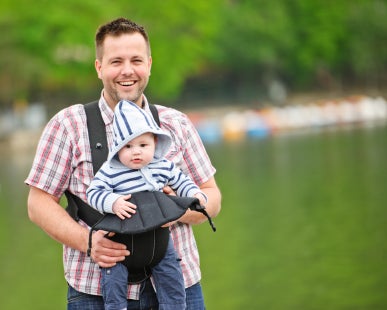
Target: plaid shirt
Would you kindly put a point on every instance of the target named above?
(63, 161)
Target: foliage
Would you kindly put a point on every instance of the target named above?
(48, 46)
(181, 33)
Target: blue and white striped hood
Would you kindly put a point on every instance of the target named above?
(129, 122)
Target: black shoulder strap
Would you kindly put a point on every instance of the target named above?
(97, 135)
(155, 113)
(77, 208)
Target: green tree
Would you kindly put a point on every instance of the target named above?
(231, 45)
(53, 48)
(181, 34)
(365, 51)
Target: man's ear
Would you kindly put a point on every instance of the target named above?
(150, 65)
(97, 66)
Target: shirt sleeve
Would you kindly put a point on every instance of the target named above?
(100, 194)
(181, 183)
(187, 151)
(55, 155)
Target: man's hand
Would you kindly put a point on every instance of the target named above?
(169, 224)
(213, 204)
(105, 252)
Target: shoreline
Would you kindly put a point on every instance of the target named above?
(231, 123)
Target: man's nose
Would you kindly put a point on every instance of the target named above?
(127, 68)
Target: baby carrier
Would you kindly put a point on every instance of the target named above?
(142, 233)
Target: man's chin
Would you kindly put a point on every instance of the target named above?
(131, 99)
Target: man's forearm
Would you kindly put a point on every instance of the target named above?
(213, 205)
(44, 210)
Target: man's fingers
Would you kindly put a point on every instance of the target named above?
(105, 252)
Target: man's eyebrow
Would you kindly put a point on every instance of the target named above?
(115, 57)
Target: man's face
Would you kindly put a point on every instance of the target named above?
(124, 68)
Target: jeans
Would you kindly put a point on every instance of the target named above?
(148, 300)
(166, 274)
(115, 287)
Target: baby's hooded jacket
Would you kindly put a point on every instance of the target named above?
(114, 179)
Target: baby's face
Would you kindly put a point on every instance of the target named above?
(138, 152)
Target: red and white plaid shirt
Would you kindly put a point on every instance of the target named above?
(63, 161)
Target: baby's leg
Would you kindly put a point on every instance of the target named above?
(169, 281)
(115, 287)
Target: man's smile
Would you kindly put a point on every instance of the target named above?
(127, 83)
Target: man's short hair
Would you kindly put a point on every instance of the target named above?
(118, 27)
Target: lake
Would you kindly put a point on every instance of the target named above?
(303, 226)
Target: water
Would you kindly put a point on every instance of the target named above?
(303, 223)
(303, 226)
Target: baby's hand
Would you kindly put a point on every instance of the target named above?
(123, 208)
(202, 199)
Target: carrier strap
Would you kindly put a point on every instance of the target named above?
(97, 135)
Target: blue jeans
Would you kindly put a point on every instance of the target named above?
(148, 301)
(168, 280)
(81, 301)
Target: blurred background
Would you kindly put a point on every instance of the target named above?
(289, 99)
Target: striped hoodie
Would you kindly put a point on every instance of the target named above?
(115, 179)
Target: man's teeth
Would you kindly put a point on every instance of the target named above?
(126, 83)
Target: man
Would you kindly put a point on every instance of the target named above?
(63, 162)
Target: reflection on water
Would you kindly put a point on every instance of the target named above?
(303, 226)
(31, 269)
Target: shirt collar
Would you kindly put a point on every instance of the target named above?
(145, 103)
(108, 113)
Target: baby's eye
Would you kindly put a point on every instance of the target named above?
(143, 144)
